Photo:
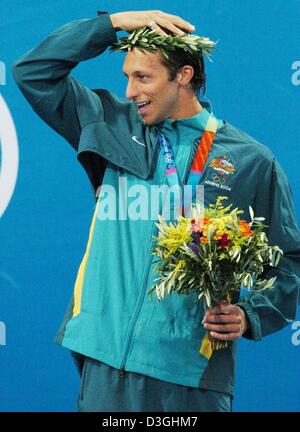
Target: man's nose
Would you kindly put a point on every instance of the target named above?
(131, 90)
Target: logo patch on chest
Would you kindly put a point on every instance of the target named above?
(223, 168)
(222, 165)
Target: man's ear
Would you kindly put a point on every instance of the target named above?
(185, 75)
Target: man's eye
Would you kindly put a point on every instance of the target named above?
(143, 77)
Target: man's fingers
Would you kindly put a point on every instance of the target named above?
(224, 336)
(233, 316)
(223, 309)
(178, 22)
(223, 319)
(154, 26)
(171, 27)
(223, 328)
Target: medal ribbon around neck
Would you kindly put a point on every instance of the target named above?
(198, 164)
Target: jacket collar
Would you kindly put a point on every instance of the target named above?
(197, 121)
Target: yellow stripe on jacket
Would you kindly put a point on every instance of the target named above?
(81, 271)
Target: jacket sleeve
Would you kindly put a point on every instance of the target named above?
(43, 75)
(97, 124)
(273, 309)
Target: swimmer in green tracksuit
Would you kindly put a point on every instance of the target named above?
(145, 353)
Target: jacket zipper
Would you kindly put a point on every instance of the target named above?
(137, 308)
(188, 167)
(139, 304)
(128, 340)
(122, 372)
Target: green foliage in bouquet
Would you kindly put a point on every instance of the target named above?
(213, 255)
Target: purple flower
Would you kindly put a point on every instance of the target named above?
(194, 248)
(196, 236)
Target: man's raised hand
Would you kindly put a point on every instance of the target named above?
(157, 20)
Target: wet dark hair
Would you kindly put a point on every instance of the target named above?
(179, 58)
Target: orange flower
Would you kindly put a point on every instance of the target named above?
(244, 223)
(245, 228)
(203, 239)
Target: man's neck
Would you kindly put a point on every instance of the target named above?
(189, 108)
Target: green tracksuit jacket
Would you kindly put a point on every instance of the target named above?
(111, 317)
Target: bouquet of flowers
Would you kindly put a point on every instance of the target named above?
(214, 254)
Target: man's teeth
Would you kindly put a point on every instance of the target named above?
(141, 105)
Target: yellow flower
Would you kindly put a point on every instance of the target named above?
(174, 236)
(219, 234)
(179, 266)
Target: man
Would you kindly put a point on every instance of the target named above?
(135, 353)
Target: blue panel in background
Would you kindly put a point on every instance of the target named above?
(253, 83)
